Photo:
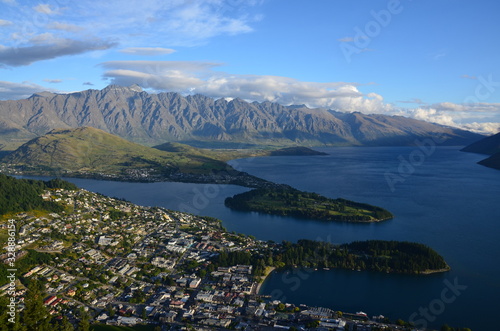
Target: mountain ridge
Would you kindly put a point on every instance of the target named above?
(152, 119)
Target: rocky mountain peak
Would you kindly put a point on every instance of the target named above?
(44, 94)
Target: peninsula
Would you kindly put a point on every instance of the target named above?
(287, 201)
(295, 151)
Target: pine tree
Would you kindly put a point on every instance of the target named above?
(66, 325)
(35, 316)
(3, 314)
(84, 324)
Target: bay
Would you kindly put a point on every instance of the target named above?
(443, 199)
(446, 201)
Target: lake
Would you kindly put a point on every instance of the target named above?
(442, 199)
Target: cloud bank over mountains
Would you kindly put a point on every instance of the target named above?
(203, 78)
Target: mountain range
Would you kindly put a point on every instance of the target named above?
(152, 119)
(488, 146)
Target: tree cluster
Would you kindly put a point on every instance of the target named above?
(287, 201)
(375, 255)
(19, 195)
(35, 317)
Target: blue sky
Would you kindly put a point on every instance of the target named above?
(431, 60)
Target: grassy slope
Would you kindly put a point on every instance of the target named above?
(92, 150)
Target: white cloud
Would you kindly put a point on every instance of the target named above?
(14, 91)
(439, 55)
(45, 9)
(63, 27)
(155, 23)
(414, 100)
(43, 38)
(481, 118)
(483, 127)
(479, 107)
(432, 115)
(346, 39)
(53, 81)
(147, 51)
(468, 77)
(163, 68)
(178, 22)
(200, 77)
(25, 55)
(5, 22)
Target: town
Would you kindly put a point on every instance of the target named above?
(128, 265)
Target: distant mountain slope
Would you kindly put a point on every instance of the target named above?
(152, 119)
(489, 145)
(90, 152)
(217, 154)
(492, 162)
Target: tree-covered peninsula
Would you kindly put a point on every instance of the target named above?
(372, 255)
(284, 200)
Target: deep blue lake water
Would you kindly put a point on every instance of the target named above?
(444, 200)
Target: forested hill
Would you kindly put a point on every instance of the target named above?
(18, 195)
(287, 201)
(373, 255)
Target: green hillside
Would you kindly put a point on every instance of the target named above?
(91, 152)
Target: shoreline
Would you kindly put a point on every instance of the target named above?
(435, 271)
(267, 272)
